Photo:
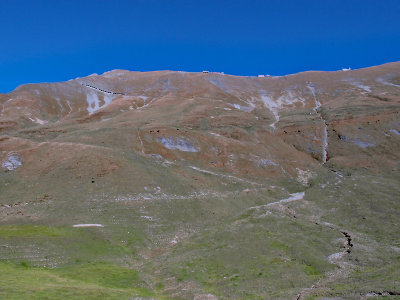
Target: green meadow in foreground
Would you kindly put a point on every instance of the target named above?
(162, 257)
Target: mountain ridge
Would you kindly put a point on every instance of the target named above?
(204, 184)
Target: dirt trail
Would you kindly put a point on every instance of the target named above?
(225, 176)
(293, 197)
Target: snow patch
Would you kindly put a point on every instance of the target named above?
(38, 121)
(60, 104)
(362, 144)
(357, 141)
(144, 98)
(70, 108)
(335, 256)
(174, 241)
(12, 162)
(263, 162)
(178, 144)
(358, 84)
(288, 98)
(94, 101)
(363, 87)
(272, 106)
(394, 131)
(216, 134)
(88, 225)
(386, 82)
(311, 87)
(243, 108)
(293, 197)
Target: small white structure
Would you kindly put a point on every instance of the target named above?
(261, 75)
(346, 69)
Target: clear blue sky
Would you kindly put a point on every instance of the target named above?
(59, 39)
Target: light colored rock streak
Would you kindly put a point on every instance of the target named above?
(4, 105)
(148, 103)
(317, 103)
(70, 107)
(60, 105)
(141, 143)
(272, 106)
(317, 107)
(324, 142)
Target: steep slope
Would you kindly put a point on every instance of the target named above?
(207, 184)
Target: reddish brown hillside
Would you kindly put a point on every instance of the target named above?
(255, 128)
